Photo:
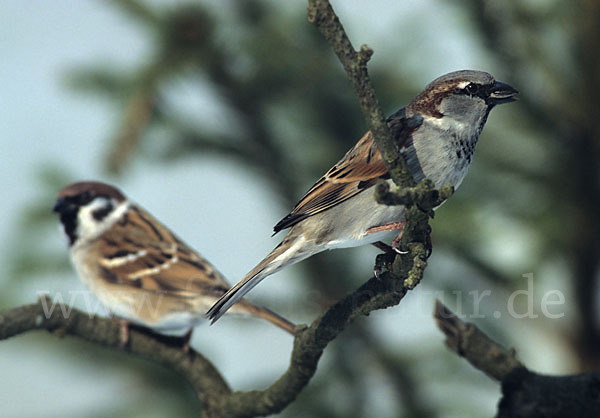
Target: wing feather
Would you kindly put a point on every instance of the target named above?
(357, 171)
(155, 260)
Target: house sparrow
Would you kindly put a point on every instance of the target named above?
(436, 134)
(138, 268)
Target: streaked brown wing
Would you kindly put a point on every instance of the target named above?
(150, 257)
(358, 170)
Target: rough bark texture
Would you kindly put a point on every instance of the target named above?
(525, 394)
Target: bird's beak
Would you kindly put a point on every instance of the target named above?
(62, 205)
(502, 93)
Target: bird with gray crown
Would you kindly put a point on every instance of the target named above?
(436, 133)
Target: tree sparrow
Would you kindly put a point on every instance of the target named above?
(436, 134)
(136, 267)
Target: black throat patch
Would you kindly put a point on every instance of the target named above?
(69, 220)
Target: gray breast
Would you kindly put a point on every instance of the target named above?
(443, 156)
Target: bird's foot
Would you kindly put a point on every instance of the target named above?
(384, 247)
(395, 247)
(383, 262)
(396, 241)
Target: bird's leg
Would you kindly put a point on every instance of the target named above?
(396, 241)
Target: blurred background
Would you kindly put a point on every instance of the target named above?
(218, 116)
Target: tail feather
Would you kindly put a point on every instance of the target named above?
(267, 315)
(290, 251)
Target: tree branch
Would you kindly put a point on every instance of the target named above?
(310, 343)
(470, 342)
(525, 394)
(322, 15)
(212, 389)
(62, 320)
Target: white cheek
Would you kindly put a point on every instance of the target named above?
(89, 228)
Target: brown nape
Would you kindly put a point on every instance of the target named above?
(428, 100)
(94, 187)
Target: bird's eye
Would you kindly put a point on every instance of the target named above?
(83, 198)
(472, 88)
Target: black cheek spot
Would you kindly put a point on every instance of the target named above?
(101, 213)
